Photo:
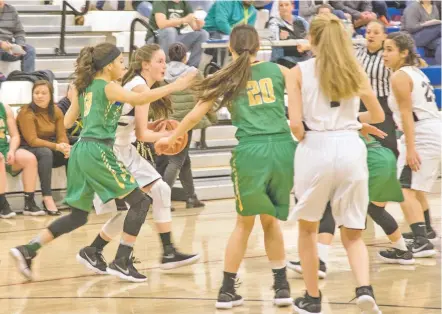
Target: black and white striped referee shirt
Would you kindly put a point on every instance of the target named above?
(373, 64)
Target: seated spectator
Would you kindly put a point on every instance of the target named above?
(14, 160)
(380, 8)
(143, 7)
(422, 21)
(287, 26)
(224, 15)
(11, 32)
(182, 103)
(176, 22)
(120, 5)
(309, 8)
(43, 134)
(204, 5)
(360, 11)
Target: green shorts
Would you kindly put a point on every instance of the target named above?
(383, 185)
(94, 168)
(262, 175)
(4, 150)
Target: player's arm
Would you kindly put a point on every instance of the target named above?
(142, 133)
(14, 141)
(402, 87)
(191, 119)
(114, 92)
(293, 83)
(375, 113)
(74, 109)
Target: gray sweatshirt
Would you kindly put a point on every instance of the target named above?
(176, 69)
(11, 29)
(415, 15)
(354, 8)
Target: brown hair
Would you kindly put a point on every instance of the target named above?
(340, 75)
(85, 69)
(177, 52)
(161, 107)
(404, 42)
(324, 6)
(51, 104)
(230, 81)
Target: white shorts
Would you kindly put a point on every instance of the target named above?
(143, 172)
(427, 136)
(332, 166)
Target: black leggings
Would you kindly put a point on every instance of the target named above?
(47, 159)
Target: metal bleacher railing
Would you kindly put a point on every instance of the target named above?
(60, 50)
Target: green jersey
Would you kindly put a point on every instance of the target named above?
(100, 116)
(3, 127)
(261, 110)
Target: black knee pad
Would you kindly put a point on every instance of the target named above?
(139, 203)
(68, 223)
(382, 218)
(327, 224)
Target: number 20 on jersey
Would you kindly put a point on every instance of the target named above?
(260, 92)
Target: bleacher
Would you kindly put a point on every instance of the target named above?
(210, 166)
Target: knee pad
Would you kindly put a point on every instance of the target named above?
(327, 224)
(114, 226)
(161, 197)
(382, 218)
(139, 204)
(68, 223)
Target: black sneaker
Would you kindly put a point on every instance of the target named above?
(124, 268)
(23, 257)
(31, 209)
(194, 202)
(6, 211)
(409, 236)
(296, 266)
(421, 247)
(366, 300)
(282, 290)
(227, 297)
(92, 259)
(307, 304)
(396, 256)
(173, 259)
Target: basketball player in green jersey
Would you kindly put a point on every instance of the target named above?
(262, 163)
(93, 167)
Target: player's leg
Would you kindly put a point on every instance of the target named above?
(431, 234)
(5, 209)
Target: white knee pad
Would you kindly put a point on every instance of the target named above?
(161, 196)
(114, 226)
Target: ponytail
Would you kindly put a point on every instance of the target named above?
(84, 69)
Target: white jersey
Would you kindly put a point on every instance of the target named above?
(319, 113)
(423, 100)
(125, 133)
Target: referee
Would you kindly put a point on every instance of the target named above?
(372, 61)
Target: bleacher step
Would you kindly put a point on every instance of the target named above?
(56, 64)
(55, 29)
(211, 172)
(21, 8)
(45, 19)
(70, 40)
(213, 188)
(51, 51)
(201, 159)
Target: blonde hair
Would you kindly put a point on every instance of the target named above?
(339, 72)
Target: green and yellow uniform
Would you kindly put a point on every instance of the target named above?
(383, 185)
(262, 163)
(4, 145)
(93, 166)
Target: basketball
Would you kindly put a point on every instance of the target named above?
(181, 142)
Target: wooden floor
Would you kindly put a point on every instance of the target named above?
(64, 286)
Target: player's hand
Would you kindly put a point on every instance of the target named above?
(186, 81)
(10, 158)
(413, 159)
(153, 125)
(368, 129)
(72, 92)
(163, 144)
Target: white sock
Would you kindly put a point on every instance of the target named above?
(277, 264)
(323, 252)
(400, 244)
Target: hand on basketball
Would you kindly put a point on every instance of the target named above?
(413, 159)
(153, 125)
(163, 144)
(368, 129)
(10, 158)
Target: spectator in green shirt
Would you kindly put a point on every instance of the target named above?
(175, 22)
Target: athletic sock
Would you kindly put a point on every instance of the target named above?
(99, 243)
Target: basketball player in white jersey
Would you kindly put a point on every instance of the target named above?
(330, 161)
(146, 69)
(414, 108)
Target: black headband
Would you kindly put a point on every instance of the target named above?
(109, 58)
